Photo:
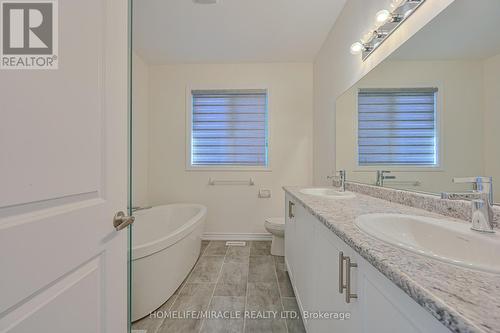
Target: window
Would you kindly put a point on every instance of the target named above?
(229, 128)
(397, 127)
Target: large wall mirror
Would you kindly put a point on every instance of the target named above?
(431, 111)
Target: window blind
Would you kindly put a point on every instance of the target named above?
(397, 127)
(229, 128)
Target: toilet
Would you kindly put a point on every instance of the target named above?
(276, 226)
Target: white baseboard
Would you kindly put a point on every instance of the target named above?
(236, 236)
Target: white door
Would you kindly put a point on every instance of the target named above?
(63, 175)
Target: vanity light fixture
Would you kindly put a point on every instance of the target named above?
(356, 48)
(383, 15)
(360, 47)
(387, 21)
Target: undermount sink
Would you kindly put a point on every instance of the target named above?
(447, 241)
(327, 193)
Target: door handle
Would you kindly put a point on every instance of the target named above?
(121, 221)
(341, 272)
(348, 294)
(290, 210)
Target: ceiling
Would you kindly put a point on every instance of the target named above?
(232, 31)
(465, 30)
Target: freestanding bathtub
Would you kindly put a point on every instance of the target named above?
(166, 243)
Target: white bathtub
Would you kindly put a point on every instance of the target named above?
(166, 243)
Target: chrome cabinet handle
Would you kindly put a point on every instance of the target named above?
(121, 221)
(341, 272)
(290, 209)
(348, 294)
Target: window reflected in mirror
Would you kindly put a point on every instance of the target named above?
(430, 112)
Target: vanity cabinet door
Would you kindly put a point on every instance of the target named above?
(305, 254)
(290, 237)
(386, 308)
(327, 298)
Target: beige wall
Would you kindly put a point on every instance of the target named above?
(335, 69)
(492, 119)
(231, 209)
(460, 113)
(140, 129)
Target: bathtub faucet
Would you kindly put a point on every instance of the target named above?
(136, 208)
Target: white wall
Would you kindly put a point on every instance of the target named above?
(140, 131)
(335, 69)
(492, 119)
(460, 114)
(231, 209)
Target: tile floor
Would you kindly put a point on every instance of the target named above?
(234, 279)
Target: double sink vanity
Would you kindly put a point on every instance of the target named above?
(411, 242)
(389, 267)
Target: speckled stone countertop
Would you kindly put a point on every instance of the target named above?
(463, 300)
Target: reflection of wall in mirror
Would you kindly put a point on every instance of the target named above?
(492, 120)
(464, 91)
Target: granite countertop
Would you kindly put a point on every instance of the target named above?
(463, 300)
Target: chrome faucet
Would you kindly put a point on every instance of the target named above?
(381, 177)
(340, 178)
(482, 201)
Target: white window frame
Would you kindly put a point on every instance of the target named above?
(189, 118)
(439, 166)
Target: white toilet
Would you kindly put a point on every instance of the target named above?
(276, 226)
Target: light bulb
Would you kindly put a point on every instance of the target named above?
(383, 15)
(356, 48)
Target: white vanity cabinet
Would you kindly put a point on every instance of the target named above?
(300, 252)
(329, 277)
(313, 256)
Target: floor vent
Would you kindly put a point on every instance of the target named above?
(236, 243)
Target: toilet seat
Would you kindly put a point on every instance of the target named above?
(275, 223)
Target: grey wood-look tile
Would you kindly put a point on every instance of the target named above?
(260, 248)
(233, 279)
(234, 305)
(261, 269)
(240, 269)
(265, 326)
(194, 297)
(150, 325)
(235, 259)
(206, 270)
(238, 251)
(216, 248)
(152, 322)
(222, 326)
(280, 262)
(196, 289)
(263, 296)
(231, 289)
(204, 245)
(234, 273)
(284, 282)
(295, 325)
(227, 303)
(173, 325)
